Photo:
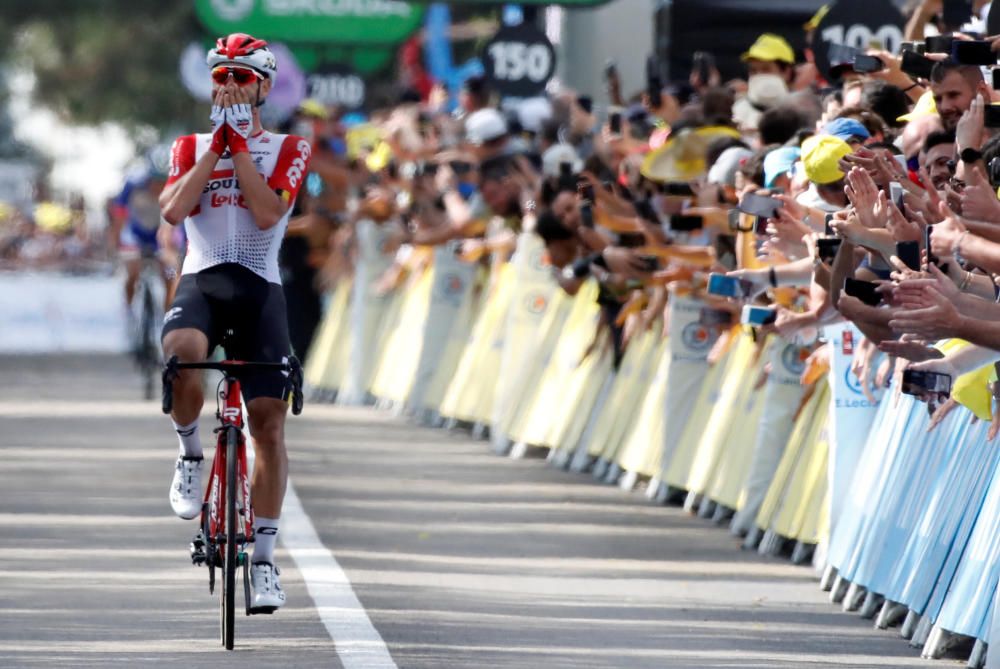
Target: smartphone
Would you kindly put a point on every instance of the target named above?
(763, 206)
(703, 63)
(863, 290)
(729, 286)
(827, 228)
(686, 223)
(586, 103)
(646, 211)
(565, 170)
(758, 316)
(760, 225)
(864, 63)
(827, 248)
(677, 188)
(956, 13)
(921, 383)
(996, 79)
(586, 191)
(841, 54)
(587, 215)
(896, 194)
(931, 258)
(714, 317)
(978, 52)
(909, 253)
(938, 44)
(615, 123)
(916, 65)
(991, 116)
(654, 85)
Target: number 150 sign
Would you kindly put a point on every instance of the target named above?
(519, 61)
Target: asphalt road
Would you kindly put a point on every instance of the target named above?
(459, 558)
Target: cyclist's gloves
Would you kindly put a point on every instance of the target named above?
(239, 122)
(218, 119)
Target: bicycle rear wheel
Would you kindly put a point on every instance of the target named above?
(232, 529)
(149, 358)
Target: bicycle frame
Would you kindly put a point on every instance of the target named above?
(213, 510)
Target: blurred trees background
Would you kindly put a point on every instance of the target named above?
(103, 60)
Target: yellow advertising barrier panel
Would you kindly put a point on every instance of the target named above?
(794, 505)
(741, 375)
(331, 330)
(643, 444)
(576, 337)
(467, 397)
(399, 362)
(621, 403)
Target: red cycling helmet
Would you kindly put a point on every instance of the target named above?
(246, 50)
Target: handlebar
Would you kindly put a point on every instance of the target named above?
(234, 367)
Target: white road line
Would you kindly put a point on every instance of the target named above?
(358, 643)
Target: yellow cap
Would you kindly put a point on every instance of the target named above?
(813, 23)
(771, 47)
(315, 108)
(54, 218)
(925, 107)
(820, 155)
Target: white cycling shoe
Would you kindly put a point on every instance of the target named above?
(185, 489)
(267, 593)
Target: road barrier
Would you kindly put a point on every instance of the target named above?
(898, 521)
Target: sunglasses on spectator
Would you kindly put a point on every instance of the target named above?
(241, 75)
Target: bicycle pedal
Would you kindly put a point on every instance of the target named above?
(197, 547)
(258, 610)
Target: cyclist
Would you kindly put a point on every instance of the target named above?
(135, 219)
(234, 188)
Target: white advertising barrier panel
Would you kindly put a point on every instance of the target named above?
(453, 280)
(55, 313)
(851, 414)
(367, 308)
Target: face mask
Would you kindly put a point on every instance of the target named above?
(466, 189)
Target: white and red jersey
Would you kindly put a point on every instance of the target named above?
(221, 229)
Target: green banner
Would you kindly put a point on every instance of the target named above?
(362, 22)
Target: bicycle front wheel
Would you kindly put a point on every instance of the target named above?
(232, 529)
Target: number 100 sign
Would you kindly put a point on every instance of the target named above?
(860, 24)
(519, 61)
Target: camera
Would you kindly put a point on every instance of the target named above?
(923, 383)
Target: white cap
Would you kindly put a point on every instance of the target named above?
(723, 172)
(556, 155)
(484, 126)
(533, 112)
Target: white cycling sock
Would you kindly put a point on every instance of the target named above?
(190, 443)
(265, 535)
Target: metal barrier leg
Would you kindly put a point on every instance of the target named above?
(977, 658)
(601, 469)
(518, 451)
(909, 625)
(752, 540)
(890, 614)
(771, 544)
(722, 514)
(838, 590)
(480, 431)
(614, 471)
(871, 605)
(829, 575)
(653, 488)
(853, 597)
(628, 480)
(706, 508)
(921, 633)
(802, 552)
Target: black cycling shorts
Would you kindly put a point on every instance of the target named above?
(231, 297)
